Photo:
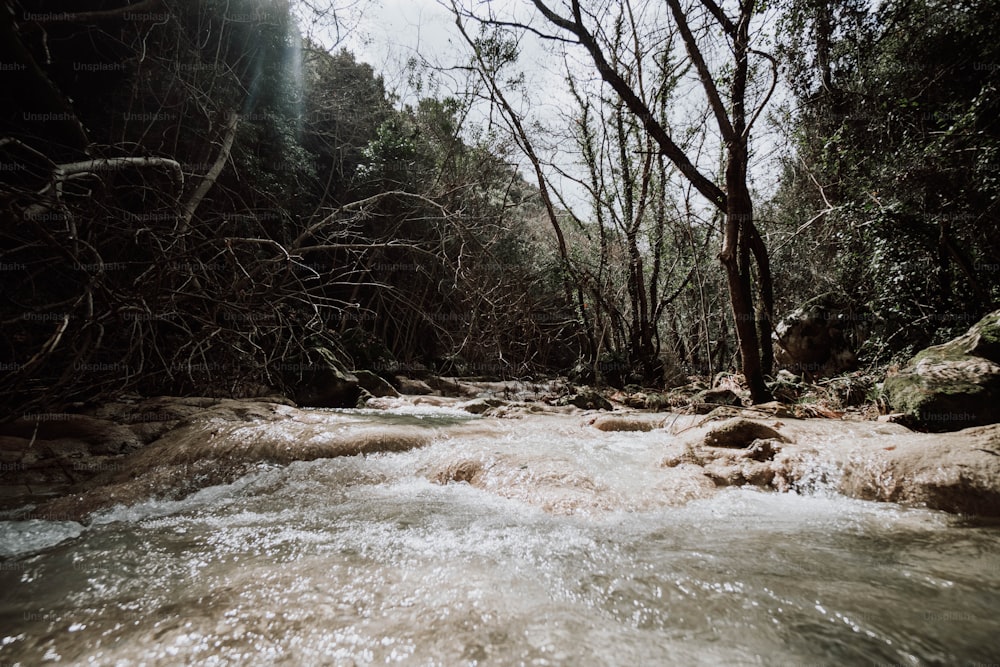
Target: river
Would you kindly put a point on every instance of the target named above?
(570, 547)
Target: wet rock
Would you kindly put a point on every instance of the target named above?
(718, 396)
(101, 436)
(375, 385)
(740, 474)
(758, 474)
(586, 399)
(763, 450)
(773, 408)
(325, 383)
(740, 432)
(363, 399)
(955, 472)
(685, 482)
(224, 442)
(466, 470)
(626, 423)
(481, 406)
(894, 418)
(153, 410)
(954, 385)
(412, 387)
(720, 412)
(452, 387)
(47, 455)
(680, 458)
(724, 475)
(631, 399)
(550, 485)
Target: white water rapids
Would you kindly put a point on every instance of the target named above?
(570, 547)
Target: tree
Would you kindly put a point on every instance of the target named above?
(742, 249)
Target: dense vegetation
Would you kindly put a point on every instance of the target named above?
(890, 197)
(244, 208)
(197, 199)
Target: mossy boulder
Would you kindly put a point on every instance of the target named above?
(954, 385)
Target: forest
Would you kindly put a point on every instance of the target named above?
(200, 198)
(570, 332)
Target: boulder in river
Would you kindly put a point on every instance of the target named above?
(412, 387)
(630, 422)
(739, 433)
(480, 406)
(954, 385)
(218, 444)
(43, 456)
(955, 472)
(205, 442)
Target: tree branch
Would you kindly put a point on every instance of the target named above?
(707, 82)
(209, 180)
(674, 153)
(720, 16)
(64, 171)
(770, 92)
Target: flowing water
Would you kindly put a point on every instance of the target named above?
(569, 547)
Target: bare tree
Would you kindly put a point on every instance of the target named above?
(743, 252)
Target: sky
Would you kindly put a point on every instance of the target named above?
(390, 32)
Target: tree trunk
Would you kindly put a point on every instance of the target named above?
(765, 310)
(735, 260)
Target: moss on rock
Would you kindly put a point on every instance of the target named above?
(954, 385)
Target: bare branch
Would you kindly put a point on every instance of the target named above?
(636, 105)
(213, 174)
(770, 92)
(720, 16)
(64, 171)
(707, 82)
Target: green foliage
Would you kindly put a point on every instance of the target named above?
(897, 141)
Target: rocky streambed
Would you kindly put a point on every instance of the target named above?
(68, 466)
